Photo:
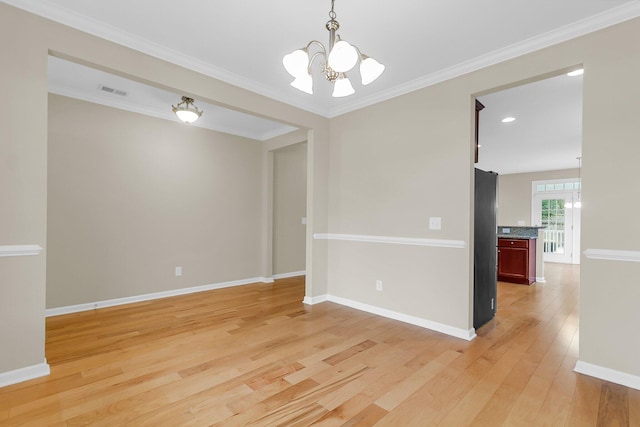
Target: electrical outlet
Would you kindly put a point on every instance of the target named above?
(178, 271)
(379, 285)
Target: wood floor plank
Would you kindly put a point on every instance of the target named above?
(634, 407)
(478, 397)
(367, 417)
(495, 412)
(255, 355)
(406, 388)
(586, 399)
(613, 409)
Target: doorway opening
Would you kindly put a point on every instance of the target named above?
(531, 134)
(289, 211)
(554, 207)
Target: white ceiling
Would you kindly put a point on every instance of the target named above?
(421, 43)
(547, 132)
(77, 81)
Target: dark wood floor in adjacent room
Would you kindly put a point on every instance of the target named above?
(255, 355)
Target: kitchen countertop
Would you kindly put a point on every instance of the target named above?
(518, 232)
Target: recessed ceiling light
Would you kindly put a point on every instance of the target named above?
(575, 73)
(508, 119)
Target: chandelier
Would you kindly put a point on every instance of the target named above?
(342, 57)
(186, 111)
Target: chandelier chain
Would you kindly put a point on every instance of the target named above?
(332, 14)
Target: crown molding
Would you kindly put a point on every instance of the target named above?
(113, 34)
(110, 101)
(80, 22)
(594, 23)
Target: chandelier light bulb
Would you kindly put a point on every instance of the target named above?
(370, 69)
(342, 87)
(342, 57)
(296, 63)
(304, 83)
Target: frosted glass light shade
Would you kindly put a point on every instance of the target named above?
(187, 116)
(186, 111)
(296, 62)
(342, 87)
(342, 57)
(304, 83)
(370, 69)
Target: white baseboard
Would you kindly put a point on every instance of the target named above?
(467, 335)
(147, 297)
(607, 374)
(24, 374)
(540, 280)
(315, 300)
(266, 279)
(287, 275)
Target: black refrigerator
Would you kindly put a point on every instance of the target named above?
(485, 280)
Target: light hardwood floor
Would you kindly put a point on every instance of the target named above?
(255, 355)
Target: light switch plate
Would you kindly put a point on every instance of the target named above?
(435, 223)
(304, 221)
(178, 271)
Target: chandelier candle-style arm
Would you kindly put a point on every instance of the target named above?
(339, 57)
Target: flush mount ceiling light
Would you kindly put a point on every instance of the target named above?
(186, 111)
(574, 73)
(508, 119)
(342, 57)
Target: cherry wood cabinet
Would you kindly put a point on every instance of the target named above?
(517, 260)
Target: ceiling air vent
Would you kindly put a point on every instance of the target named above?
(112, 90)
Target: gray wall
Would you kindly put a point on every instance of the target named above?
(23, 191)
(396, 163)
(130, 197)
(289, 207)
(514, 194)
